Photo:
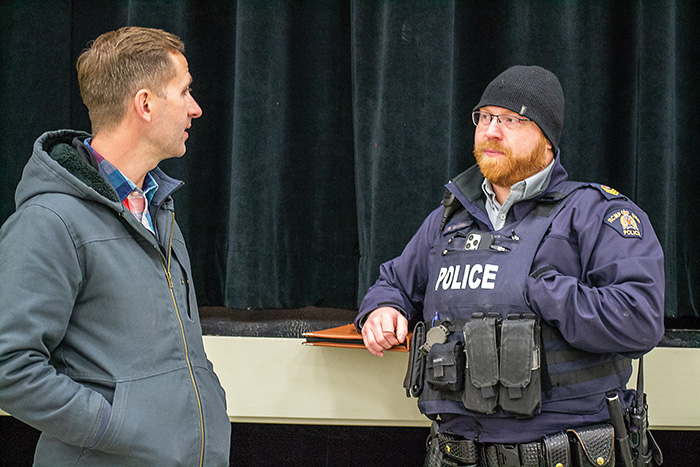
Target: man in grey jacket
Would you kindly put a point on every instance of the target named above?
(100, 340)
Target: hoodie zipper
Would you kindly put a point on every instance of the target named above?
(166, 268)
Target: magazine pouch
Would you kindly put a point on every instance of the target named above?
(480, 391)
(519, 365)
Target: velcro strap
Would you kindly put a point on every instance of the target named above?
(438, 366)
(597, 442)
(590, 373)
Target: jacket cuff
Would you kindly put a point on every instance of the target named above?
(362, 317)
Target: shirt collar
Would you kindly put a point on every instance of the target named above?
(121, 184)
(524, 189)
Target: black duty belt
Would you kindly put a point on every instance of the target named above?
(577, 447)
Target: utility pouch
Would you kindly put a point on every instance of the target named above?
(593, 446)
(413, 381)
(445, 366)
(480, 392)
(519, 370)
(557, 451)
(447, 450)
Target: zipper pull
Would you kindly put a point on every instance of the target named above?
(170, 279)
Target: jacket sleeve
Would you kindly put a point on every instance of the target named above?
(40, 277)
(600, 284)
(402, 280)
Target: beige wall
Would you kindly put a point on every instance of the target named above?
(275, 380)
(281, 380)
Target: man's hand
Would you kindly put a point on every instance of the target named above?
(384, 328)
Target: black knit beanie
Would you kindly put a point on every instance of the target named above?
(530, 91)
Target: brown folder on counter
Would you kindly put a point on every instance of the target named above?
(344, 336)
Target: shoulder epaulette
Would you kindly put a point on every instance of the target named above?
(608, 192)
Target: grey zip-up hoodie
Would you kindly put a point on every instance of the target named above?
(100, 340)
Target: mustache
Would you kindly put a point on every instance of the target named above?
(495, 145)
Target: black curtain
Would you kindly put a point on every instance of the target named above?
(330, 127)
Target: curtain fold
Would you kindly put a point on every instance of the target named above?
(330, 128)
(292, 224)
(402, 105)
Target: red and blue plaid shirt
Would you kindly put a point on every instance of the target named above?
(135, 199)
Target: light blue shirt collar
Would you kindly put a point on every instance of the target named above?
(524, 189)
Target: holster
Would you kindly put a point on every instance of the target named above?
(653, 457)
(415, 373)
(647, 452)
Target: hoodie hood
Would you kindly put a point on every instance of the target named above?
(61, 163)
(57, 165)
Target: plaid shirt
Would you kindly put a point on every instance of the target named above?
(135, 199)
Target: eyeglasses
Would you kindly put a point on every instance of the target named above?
(483, 119)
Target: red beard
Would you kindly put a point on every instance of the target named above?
(508, 170)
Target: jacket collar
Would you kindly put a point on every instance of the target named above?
(466, 187)
(166, 184)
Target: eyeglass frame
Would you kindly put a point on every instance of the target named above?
(511, 125)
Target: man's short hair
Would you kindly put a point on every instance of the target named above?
(118, 64)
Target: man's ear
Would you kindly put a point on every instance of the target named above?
(143, 102)
(550, 146)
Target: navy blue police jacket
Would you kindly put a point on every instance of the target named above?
(596, 283)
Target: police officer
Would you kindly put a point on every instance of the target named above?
(531, 293)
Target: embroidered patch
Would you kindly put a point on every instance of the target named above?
(625, 222)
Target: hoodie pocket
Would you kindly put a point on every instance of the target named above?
(155, 419)
(217, 432)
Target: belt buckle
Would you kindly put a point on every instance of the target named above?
(508, 455)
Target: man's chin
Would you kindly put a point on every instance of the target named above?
(494, 171)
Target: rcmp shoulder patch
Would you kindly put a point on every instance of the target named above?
(625, 222)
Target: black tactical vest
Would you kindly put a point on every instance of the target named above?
(512, 362)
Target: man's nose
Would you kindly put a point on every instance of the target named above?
(195, 110)
(494, 130)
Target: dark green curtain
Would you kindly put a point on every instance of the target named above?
(330, 127)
